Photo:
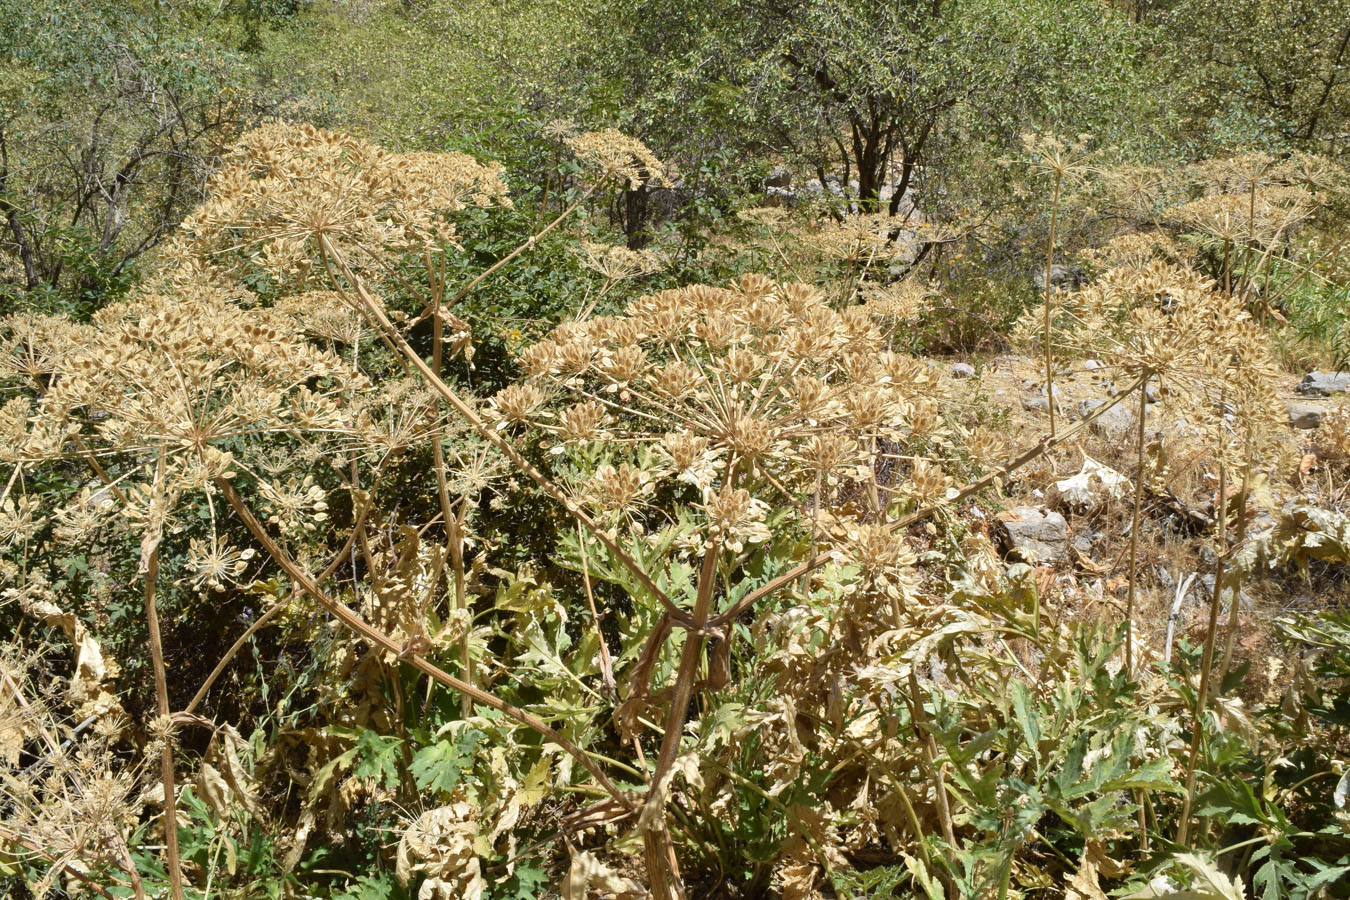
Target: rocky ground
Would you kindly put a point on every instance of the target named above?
(1069, 517)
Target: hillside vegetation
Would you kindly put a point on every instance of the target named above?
(806, 449)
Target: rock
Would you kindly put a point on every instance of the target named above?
(1061, 276)
(779, 196)
(1152, 392)
(1306, 416)
(1324, 384)
(778, 177)
(1201, 590)
(963, 370)
(1038, 401)
(1092, 365)
(1035, 534)
(1084, 542)
(1118, 421)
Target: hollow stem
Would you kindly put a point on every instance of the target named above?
(1207, 660)
(1045, 337)
(150, 572)
(1134, 530)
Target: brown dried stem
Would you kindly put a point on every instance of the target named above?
(150, 571)
(1045, 338)
(606, 664)
(1207, 660)
(1134, 529)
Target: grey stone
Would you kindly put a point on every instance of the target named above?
(1061, 276)
(1324, 384)
(1118, 421)
(1306, 416)
(779, 196)
(1084, 541)
(1152, 392)
(1038, 400)
(778, 177)
(963, 370)
(1035, 535)
(1093, 365)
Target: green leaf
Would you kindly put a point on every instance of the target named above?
(439, 766)
(1153, 776)
(527, 882)
(377, 757)
(1026, 716)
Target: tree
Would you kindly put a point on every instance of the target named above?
(872, 90)
(1266, 72)
(110, 117)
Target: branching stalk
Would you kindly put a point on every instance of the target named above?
(1207, 660)
(1045, 337)
(1134, 529)
(150, 573)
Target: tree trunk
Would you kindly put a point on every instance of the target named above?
(635, 216)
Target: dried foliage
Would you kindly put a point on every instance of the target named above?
(772, 642)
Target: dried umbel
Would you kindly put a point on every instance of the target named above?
(861, 239)
(215, 564)
(618, 263)
(758, 378)
(617, 155)
(68, 799)
(1133, 251)
(283, 187)
(1067, 160)
(1333, 435)
(440, 846)
(899, 301)
(172, 392)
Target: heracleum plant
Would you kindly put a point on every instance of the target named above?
(761, 396)
(758, 406)
(1065, 166)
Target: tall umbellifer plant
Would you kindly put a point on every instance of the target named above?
(194, 390)
(753, 406)
(1063, 164)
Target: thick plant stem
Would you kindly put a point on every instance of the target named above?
(665, 884)
(150, 573)
(606, 664)
(1045, 337)
(1134, 531)
(1230, 634)
(454, 532)
(1227, 267)
(929, 746)
(1207, 661)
